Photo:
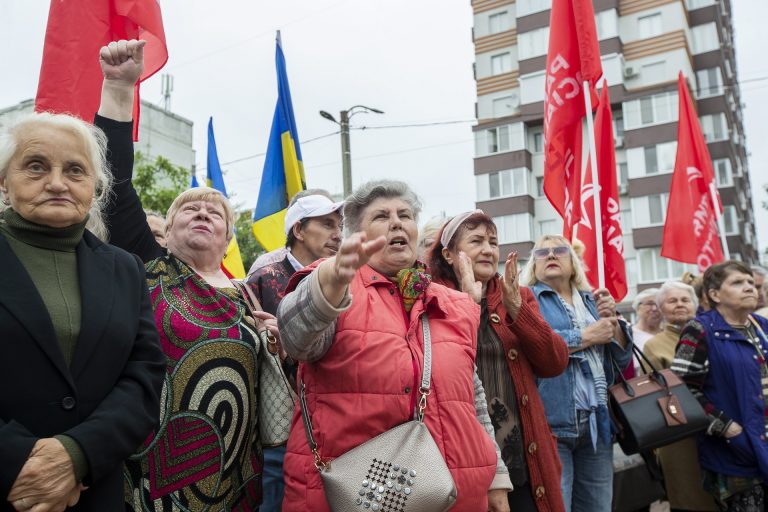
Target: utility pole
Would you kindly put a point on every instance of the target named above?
(346, 153)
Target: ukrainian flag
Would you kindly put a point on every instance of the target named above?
(232, 265)
(283, 174)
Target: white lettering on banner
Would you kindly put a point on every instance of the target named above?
(587, 191)
(613, 216)
(560, 88)
(706, 256)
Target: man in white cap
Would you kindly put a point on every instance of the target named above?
(313, 231)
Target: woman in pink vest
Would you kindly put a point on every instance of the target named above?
(354, 323)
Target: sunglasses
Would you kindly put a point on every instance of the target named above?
(560, 251)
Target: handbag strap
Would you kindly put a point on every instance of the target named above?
(253, 305)
(424, 390)
(654, 373)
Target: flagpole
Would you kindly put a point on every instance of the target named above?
(720, 220)
(595, 187)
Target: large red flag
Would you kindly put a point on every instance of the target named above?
(691, 210)
(573, 57)
(70, 76)
(610, 211)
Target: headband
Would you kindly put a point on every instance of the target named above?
(453, 225)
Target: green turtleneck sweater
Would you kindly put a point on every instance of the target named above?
(48, 255)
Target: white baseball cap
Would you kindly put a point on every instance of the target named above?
(307, 207)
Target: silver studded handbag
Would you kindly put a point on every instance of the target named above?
(400, 470)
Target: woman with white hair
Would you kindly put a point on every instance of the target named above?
(206, 453)
(80, 360)
(576, 402)
(679, 461)
(648, 317)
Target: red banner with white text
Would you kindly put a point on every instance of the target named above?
(690, 228)
(573, 57)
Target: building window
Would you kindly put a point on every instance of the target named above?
(623, 176)
(731, 220)
(656, 109)
(505, 106)
(607, 24)
(649, 211)
(508, 137)
(514, 228)
(715, 127)
(705, 38)
(540, 186)
(525, 7)
(630, 266)
(710, 82)
(533, 43)
(651, 163)
(654, 268)
(498, 22)
(618, 124)
(649, 26)
(550, 227)
(651, 160)
(538, 142)
(507, 183)
(501, 63)
(723, 172)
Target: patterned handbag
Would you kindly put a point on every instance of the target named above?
(276, 396)
(400, 470)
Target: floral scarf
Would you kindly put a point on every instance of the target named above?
(412, 283)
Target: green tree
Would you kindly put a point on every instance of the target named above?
(250, 249)
(159, 182)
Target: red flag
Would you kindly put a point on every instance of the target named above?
(610, 211)
(70, 75)
(573, 57)
(691, 210)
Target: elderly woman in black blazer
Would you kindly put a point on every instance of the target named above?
(80, 361)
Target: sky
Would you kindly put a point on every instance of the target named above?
(411, 59)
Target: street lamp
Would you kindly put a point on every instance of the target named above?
(346, 157)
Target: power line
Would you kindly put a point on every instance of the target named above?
(368, 157)
(250, 157)
(413, 125)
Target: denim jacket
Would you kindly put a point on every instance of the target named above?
(557, 392)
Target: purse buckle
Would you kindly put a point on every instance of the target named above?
(423, 402)
(319, 464)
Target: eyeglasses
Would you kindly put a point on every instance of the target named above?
(649, 304)
(561, 251)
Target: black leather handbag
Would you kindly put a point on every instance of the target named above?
(654, 409)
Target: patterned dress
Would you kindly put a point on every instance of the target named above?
(206, 453)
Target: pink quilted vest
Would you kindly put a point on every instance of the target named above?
(368, 382)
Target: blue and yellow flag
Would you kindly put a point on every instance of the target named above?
(283, 174)
(232, 264)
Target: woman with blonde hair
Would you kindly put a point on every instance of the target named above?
(576, 402)
(206, 453)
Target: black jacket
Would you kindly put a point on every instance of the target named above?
(108, 398)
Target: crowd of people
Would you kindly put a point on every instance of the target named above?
(146, 380)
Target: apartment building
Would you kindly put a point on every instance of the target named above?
(643, 46)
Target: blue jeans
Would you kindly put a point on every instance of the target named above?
(587, 478)
(272, 479)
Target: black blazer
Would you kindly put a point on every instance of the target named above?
(108, 399)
